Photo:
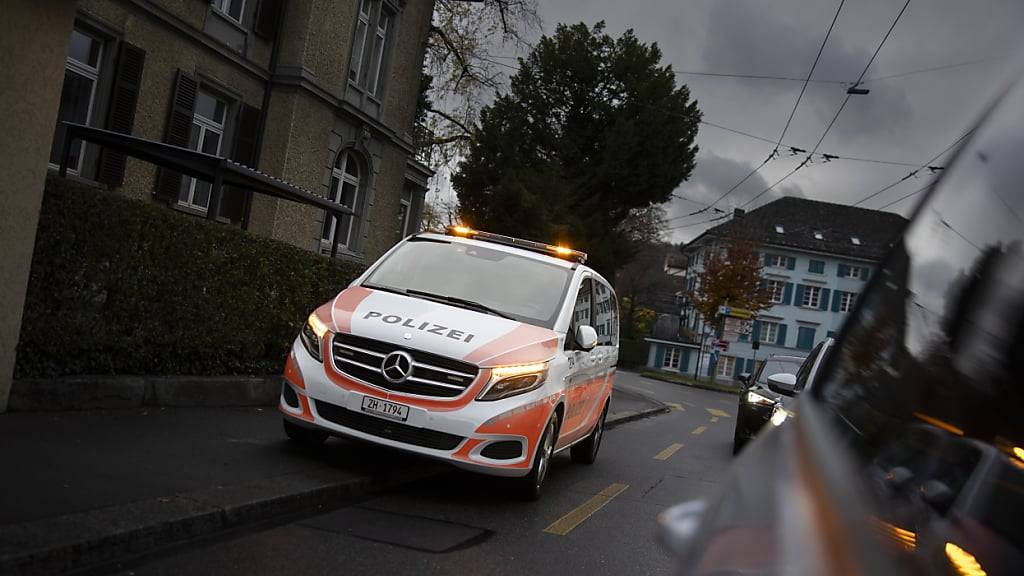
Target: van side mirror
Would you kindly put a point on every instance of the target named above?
(782, 383)
(586, 337)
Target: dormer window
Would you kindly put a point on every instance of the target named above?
(855, 240)
(779, 229)
(818, 236)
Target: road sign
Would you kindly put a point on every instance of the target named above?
(733, 328)
(729, 311)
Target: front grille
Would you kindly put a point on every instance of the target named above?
(432, 375)
(504, 450)
(386, 428)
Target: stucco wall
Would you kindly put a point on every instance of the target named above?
(33, 47)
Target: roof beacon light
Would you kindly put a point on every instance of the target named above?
(549, 249)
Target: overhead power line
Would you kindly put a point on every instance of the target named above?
(692, 224)
(756, 77)
(840, 110)
(905, 196)
(912, 173)
(796, 105)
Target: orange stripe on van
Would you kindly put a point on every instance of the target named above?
(292, 373)
(339, 312)
(524, 344)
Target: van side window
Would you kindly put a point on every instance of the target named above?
(604, 314)
(582, 311)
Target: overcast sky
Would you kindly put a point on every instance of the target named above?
(907, 119)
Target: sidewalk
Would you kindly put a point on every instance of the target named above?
(93, 486)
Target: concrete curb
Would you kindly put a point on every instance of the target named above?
(614, 420)
(111, 392)
(700, 386)
(95, 537)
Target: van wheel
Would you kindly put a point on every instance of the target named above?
(586, 452)
(304, 436)
(531, 484)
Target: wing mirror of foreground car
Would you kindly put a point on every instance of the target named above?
(679, 524)
(782, 383)
(586, 337)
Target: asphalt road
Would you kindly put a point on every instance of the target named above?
(596, 519)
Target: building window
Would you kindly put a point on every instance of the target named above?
(777, 261)
(769, 332)
(207, 136)
(726, 366)
(812, 297)
(81, 74)
(366, 68)
(779, 229)
(846, 301)
(855, 240)
(776, 290)
(855, 272)
(672, 356)
(345, 191)
(816, 267)
(805, 338)
(230, 8)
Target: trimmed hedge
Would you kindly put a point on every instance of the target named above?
(120, 286)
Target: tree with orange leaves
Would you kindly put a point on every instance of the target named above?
(731, 276)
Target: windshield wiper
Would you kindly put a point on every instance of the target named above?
(383, 288)
(459, 302)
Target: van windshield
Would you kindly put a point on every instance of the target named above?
(522, 288)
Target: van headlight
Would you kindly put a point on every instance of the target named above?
(752, 397)
(509, 381)
(312, 335)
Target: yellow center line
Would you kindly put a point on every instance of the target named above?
(668, 452)
(566, 523)
(717, 412)
(675, 406)
(699, 430)
(714, 419)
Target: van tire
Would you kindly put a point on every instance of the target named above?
(531, 485)
(304, 436)
(586, 451)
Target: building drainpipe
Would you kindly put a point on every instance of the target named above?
(274, 54)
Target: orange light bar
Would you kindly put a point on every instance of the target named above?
(939, 423)
(559, 251)
(461, 230)
(964, 562)
(563, 251)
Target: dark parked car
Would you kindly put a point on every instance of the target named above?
(908, 455)
(771, 395)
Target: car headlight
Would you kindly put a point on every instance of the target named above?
(514, 380)
(779, 415)
(753, 397)
(312, 335)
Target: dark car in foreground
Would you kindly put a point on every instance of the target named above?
(908, 455)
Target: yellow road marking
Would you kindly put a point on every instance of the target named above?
(668, 452)
(714, 419)
(566, 523)
(675, 406)
(717, 412)
(699, 430)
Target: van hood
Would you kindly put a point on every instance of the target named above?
(476, 337)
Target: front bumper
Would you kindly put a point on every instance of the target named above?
(458, 430)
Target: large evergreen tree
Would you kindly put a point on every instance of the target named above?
(593, 134)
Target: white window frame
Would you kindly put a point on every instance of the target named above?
(335, 196)
(777, 261)
(812, 297)
(725, 367)
(373, 81)
(356, 63)
(776, 291)
(224, 7)
(672, 358)
(769, 332)
(404, 217)
(93, 74)
(846, 300)
(206, 126)
(854, 272)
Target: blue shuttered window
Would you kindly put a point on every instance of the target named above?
(750, 366)
(837, 296)
(798, 296)
(823, 303)
(816, 266)
(791, 263)
(782, 336)
(805, 338)
(787, 293)
(844, 270)
(684, 365)
(659, 355)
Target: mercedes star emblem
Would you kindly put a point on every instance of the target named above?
(396, 367)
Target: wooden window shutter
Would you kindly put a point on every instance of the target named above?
(121, 115)
(247, 128)
(179, 127)
(267, 17)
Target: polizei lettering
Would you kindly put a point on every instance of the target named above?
(430, 327)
